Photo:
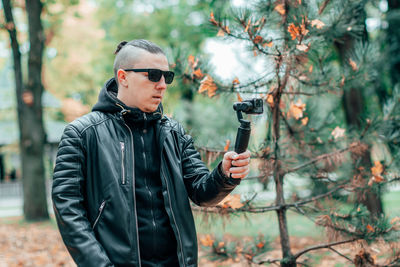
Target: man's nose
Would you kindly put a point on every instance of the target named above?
(161, 85)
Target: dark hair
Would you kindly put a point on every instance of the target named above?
(141, 43)
(126, 53)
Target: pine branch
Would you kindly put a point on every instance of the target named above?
(297, 255)
(340, 254)
(321, 157)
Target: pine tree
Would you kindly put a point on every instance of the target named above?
(303, 85)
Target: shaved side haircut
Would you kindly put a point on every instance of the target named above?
(128, 52)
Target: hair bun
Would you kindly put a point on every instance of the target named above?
(121, 44)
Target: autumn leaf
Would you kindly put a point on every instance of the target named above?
(258, 39)
(220, 33)
(310, 69)
(280, 9)
(212, 19)
(268, 44)
(353, 65)
(377, 169)
(293, 30)
(207, 241)
(198, 74)
(296, 109)
(302, 47)
(208, 85)
(317, 24)
(260, 245)
(231, 201)
(227, 29)
(227, 143)
(235, 81)
(338, 132)
(270, 100)
(248, 25)
(191, 59)
(304, 121)
(370, 229)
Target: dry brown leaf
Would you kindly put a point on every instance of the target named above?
(296, 109)
(258, 39)
(231, 201)
(240, 99)
(353, 65)
(248, 25)
(310, 69)
(280, 9)
(212, 19)
(207, 241)
(377, 169)
(227, 144)
(370, 229)
(302, 47)
(293, 30)
(208, 85)
(304, 121)
(268, 44)
(198, 74)
(338, 132)
(317, 24)
(221, 33)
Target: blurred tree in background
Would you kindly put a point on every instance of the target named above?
(319, 83)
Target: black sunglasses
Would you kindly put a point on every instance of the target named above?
(154, 75)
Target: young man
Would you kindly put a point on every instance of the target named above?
(124, 172)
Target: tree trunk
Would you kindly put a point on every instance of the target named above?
(354, 107)
(32, 135)
(393, 38)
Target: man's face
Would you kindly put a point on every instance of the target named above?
(136, 90)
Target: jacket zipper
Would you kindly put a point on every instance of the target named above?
(103, 204)
(134, 193)
(176, 225)
(123, 161)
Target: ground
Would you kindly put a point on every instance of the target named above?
(40, 244)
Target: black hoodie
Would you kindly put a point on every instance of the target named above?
(156, 237)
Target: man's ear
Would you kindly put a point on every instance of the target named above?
(122, 77)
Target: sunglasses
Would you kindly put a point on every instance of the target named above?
(154, 75)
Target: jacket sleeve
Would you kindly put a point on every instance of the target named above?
(204, 188)
(68, 199)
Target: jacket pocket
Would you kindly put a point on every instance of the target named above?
(123, 177)
(101, 209)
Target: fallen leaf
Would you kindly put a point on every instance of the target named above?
(207, 241)
(370, 229)
(260, 245)
(231, 201)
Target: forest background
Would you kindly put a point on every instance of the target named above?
(325, 152)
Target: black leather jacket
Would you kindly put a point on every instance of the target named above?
(94, 197)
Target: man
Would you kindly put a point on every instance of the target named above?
(124, 172)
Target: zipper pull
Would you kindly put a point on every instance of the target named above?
(102, 206)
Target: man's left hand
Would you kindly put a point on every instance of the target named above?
(236, 165)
